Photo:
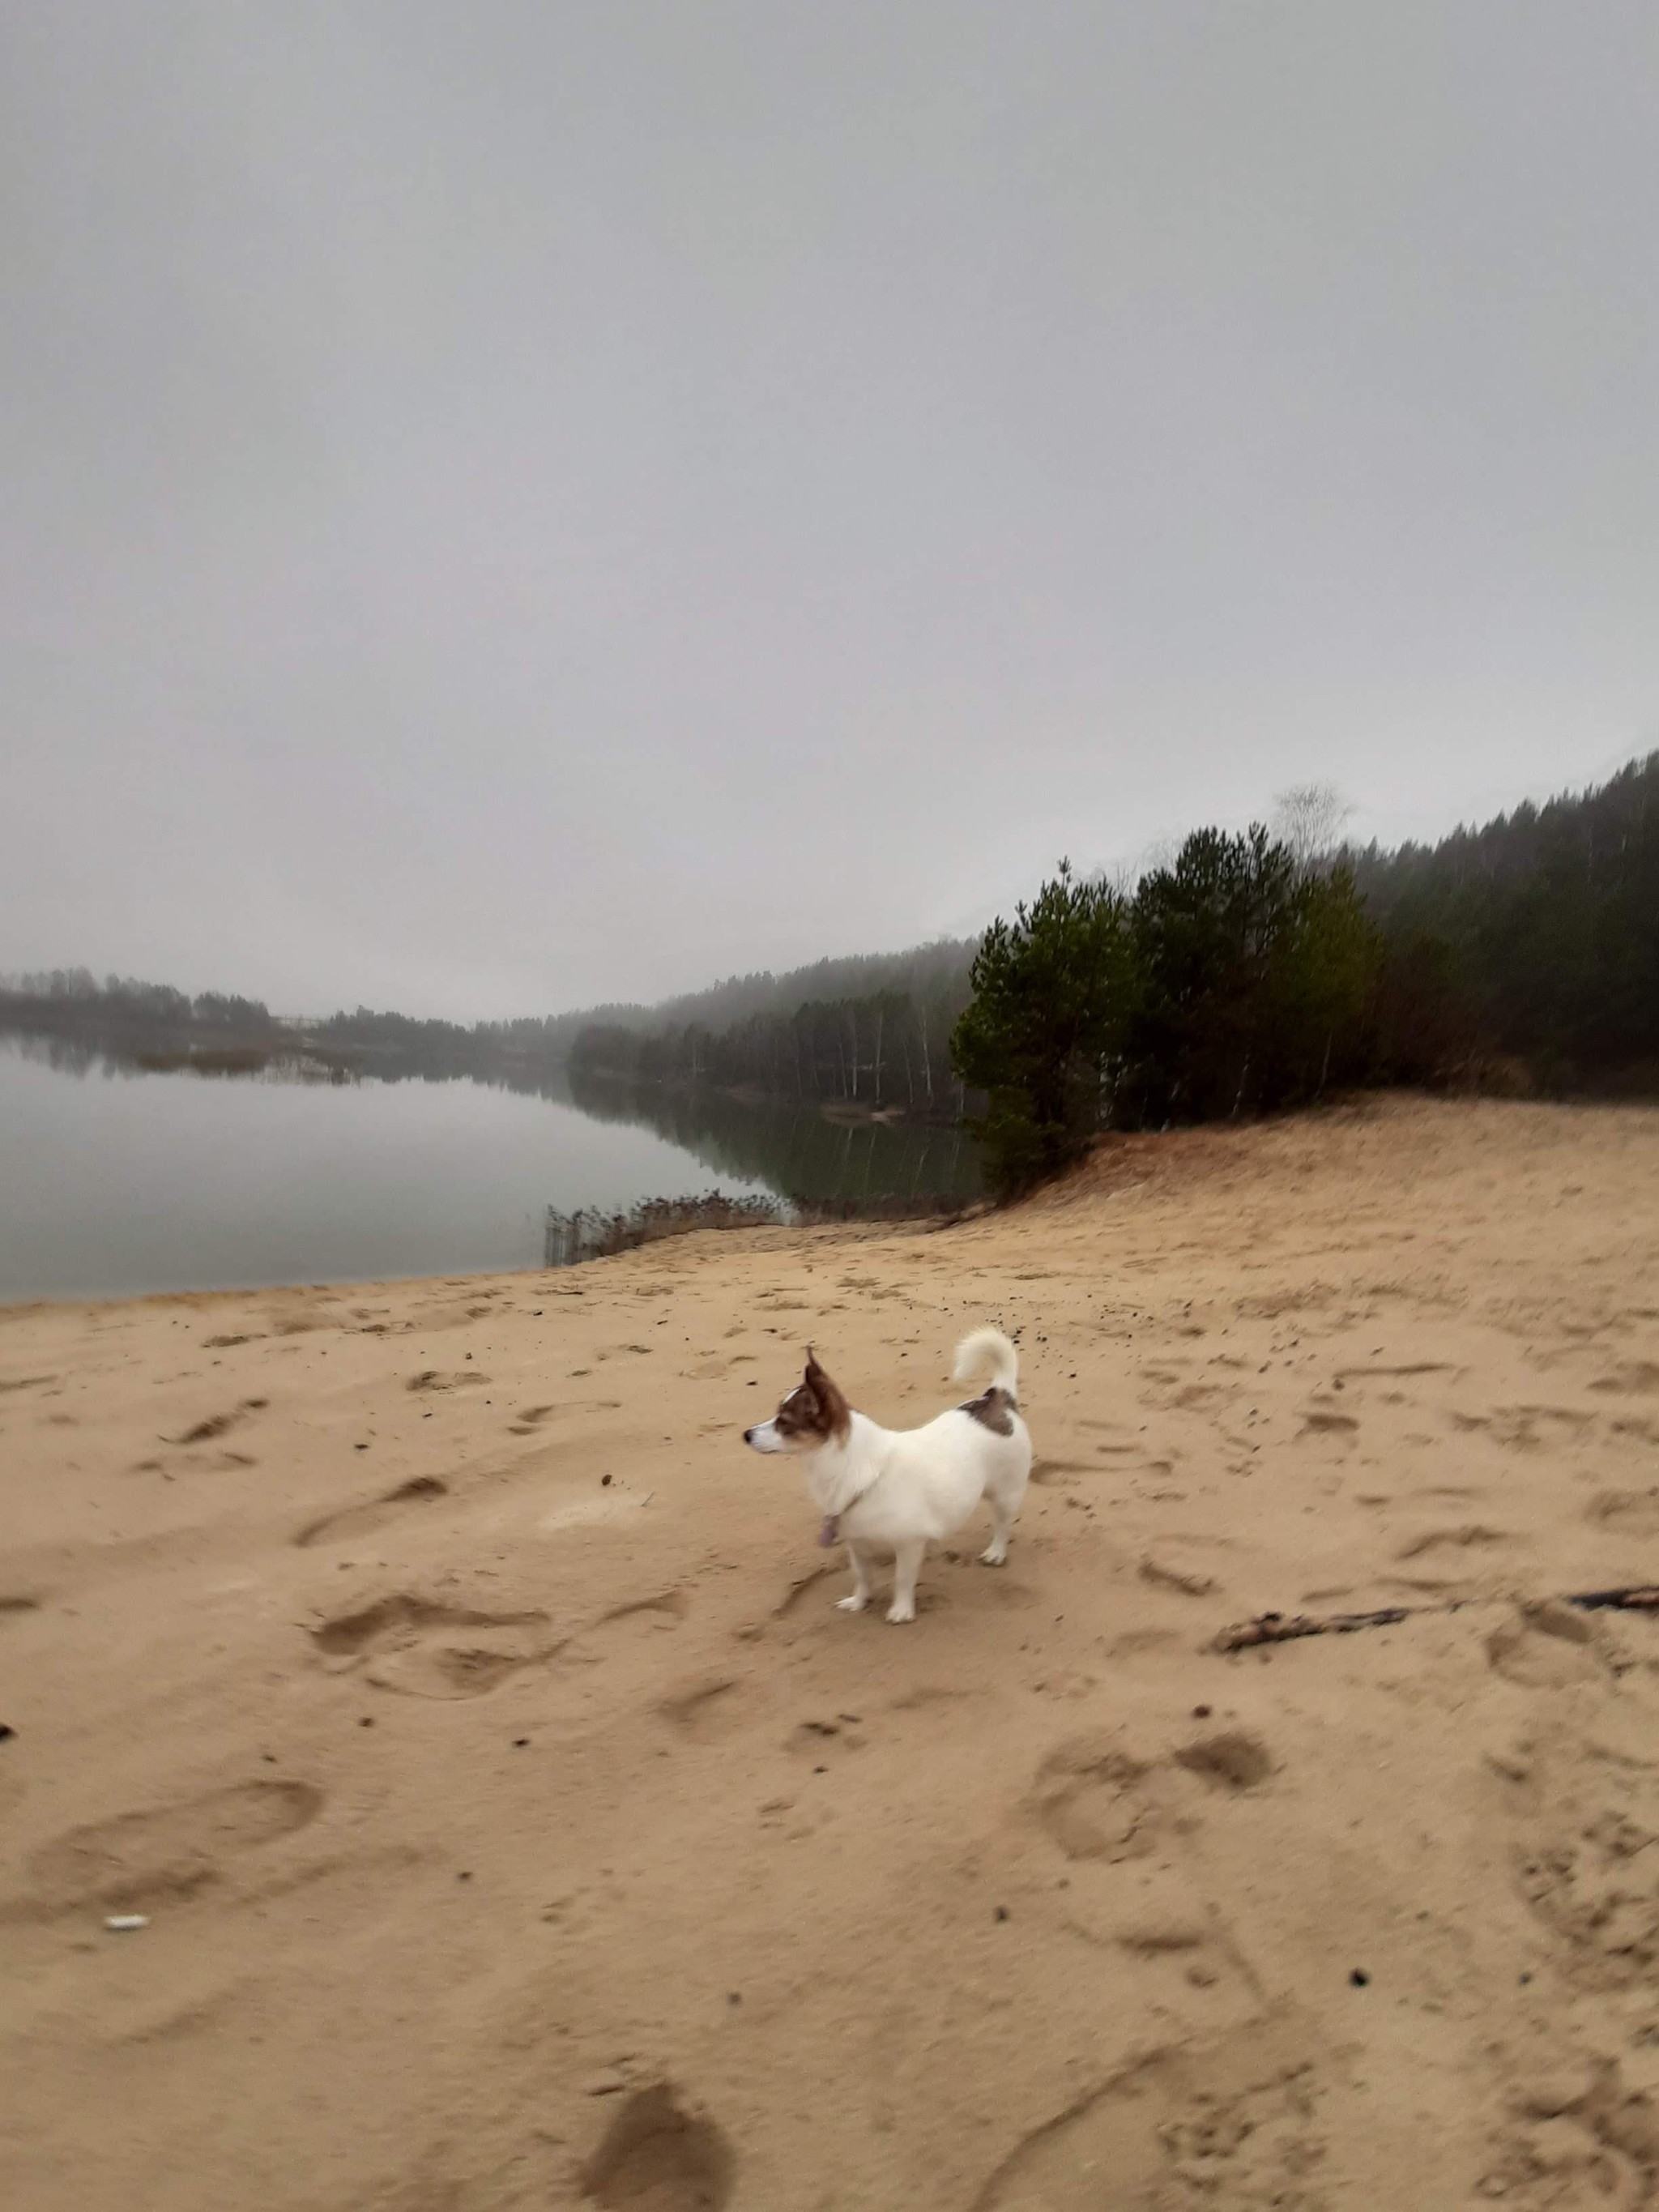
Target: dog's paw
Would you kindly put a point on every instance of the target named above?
(899, 1612)
(995, 1555)
(851, 1604)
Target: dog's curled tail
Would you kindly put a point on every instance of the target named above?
(989, 1348)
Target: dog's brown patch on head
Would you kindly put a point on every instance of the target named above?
(994, 1409)
(801, 1415)
(836, 1411)
(815, 1410)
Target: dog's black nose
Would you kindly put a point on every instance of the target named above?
(749, 1435)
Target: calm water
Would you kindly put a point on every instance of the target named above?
(114, 1180)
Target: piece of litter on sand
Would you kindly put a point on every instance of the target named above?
(124, 1924)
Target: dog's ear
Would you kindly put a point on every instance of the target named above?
(808, 1388)
(837, 1414)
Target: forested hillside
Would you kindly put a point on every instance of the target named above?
(1536, 935)
(1247, 975)
(876, 1047)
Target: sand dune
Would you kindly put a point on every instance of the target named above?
(517, 1824)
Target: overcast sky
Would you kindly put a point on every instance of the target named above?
(509, 504)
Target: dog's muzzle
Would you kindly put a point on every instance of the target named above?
(764, 1438)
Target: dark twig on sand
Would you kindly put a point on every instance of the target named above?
(1287, 1627)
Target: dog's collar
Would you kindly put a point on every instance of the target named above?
(829, 1531)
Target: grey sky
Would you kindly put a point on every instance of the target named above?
(513, 504)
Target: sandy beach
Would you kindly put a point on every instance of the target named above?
(515, 1822)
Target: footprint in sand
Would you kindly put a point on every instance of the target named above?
(1231, 1760)
(706, 1711)
(1204, 1397)
(929, 1696)
(299, 1316)
(817, 1740)
(1052, 1473)
(433, 1378)
(1179, 1560)
(1584, 1813)
(592, 1510)
(374, 1513)
(528, 1418)
(1528, 1428)
(216, 1425)
(1627, 1512)
(1166, 1949)
(1639, 1379)
(1470, 1536)
(712, 1706)
(1413, 1367)
(1547, 1646)
(423, 1649)
(1581, 2142)
(1230, 2121)
(138, 1858)
(1317, 1422)
(802, 1584)
(1096, 1799)
(1169, 1574)
(641, 1620)
(658, 2157)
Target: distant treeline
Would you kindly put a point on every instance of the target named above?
(888, 1048)
(69, 998)
(1534, 939)
(936, 975)
(156, 1020)
(1247, 974)
(936, 971)
(73, 1002)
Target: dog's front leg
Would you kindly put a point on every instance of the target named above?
(860, 1559)
(907, 1565)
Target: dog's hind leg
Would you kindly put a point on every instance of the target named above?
(858, 1558)
(907, 1565)
(1005, 1495)
(995, 1553)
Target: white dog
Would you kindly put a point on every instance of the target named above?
(883, 1490)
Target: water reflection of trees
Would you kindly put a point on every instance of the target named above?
(791, 1147)
(84, 1052)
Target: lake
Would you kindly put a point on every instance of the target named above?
(116, 1180)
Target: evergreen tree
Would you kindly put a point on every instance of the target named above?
(1254, 975)
(1054, 995)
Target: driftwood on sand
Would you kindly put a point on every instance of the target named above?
(1287, 1627)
